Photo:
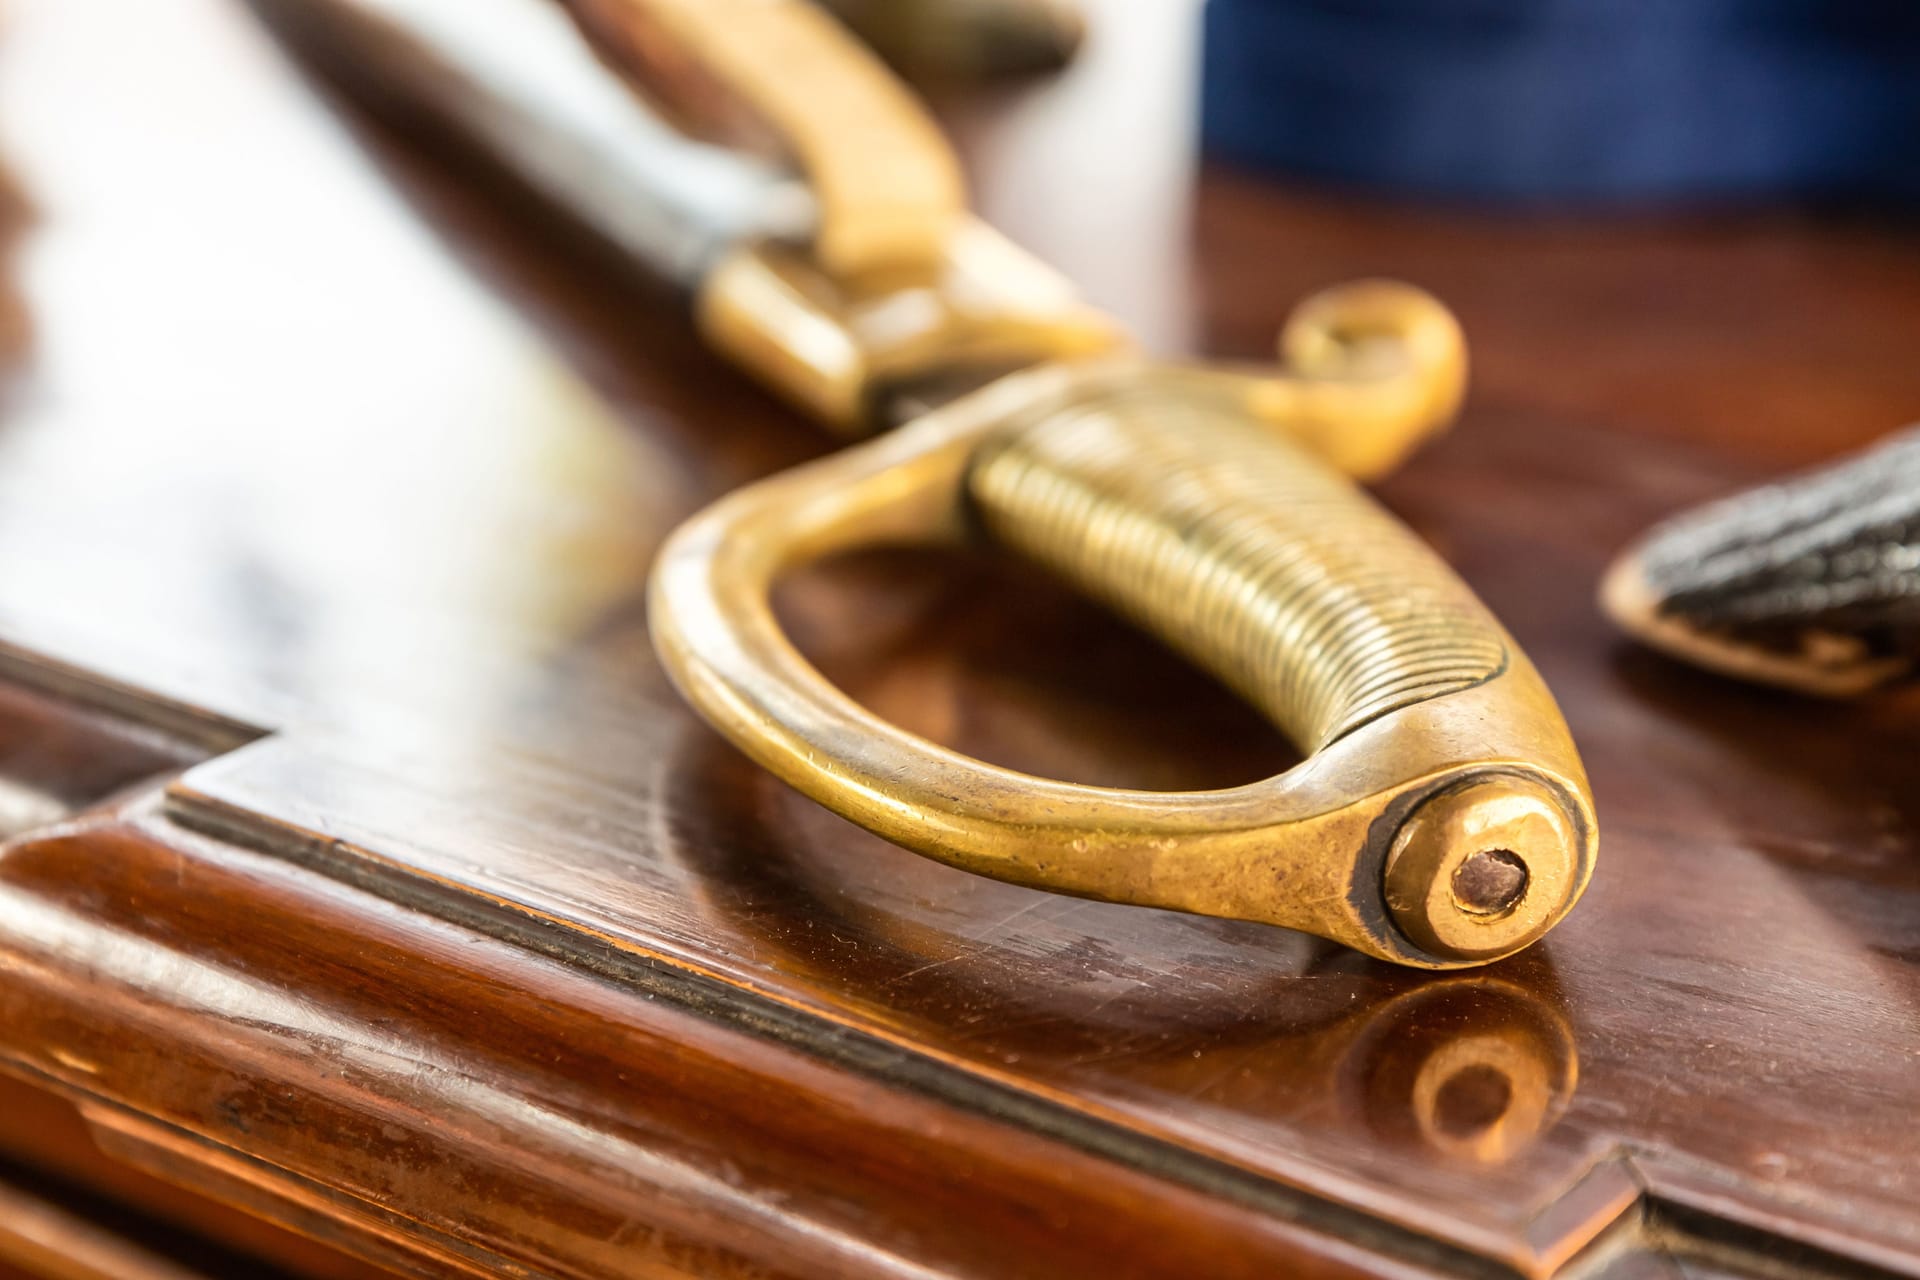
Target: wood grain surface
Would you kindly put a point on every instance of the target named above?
(330, 471)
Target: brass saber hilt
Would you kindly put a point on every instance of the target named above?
(1442, 819)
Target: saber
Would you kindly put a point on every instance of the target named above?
(1441, 818)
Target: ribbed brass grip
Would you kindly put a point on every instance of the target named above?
(1242, 550)
(1441, 817)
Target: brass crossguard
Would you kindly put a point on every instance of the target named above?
(1442, 817)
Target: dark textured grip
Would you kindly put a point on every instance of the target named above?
(1242, 550)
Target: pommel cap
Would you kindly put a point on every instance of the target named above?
(1483, 869)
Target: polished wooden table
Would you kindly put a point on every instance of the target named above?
(373, 904)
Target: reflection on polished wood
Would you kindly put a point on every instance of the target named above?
(458, 945)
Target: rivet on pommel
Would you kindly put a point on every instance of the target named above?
(1481, 870)
(1490, 882)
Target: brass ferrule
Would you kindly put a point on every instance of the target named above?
(835, 345)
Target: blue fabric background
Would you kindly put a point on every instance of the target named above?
(1572, 100)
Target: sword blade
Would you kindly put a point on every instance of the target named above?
(516, 80)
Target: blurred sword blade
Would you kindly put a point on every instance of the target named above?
(515, 79)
